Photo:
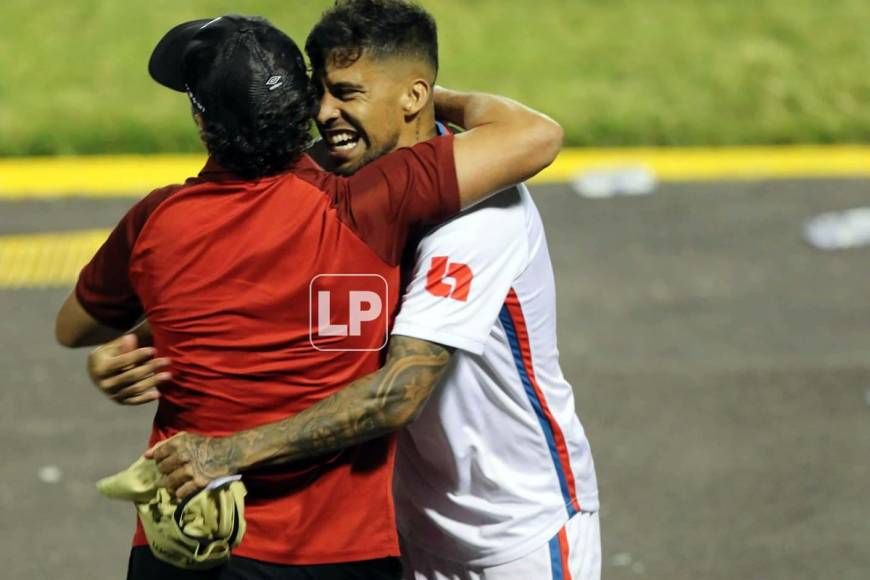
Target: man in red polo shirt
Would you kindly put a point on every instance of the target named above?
(239, 269)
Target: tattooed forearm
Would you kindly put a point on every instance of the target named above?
(372, 406)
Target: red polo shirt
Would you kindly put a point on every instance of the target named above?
(264, 294)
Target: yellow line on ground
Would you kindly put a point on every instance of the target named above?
(46, 260)
(55, 259)
(93, 176)
(702, 164)
(118, 176)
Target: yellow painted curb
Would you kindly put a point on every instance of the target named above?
(707, 164)
(47, 260)
(130, 175)
(93, 176)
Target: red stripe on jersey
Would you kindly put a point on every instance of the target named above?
(512, 302)
(563, 551)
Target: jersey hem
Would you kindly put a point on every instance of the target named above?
(516, 551)
(291, 559)
(444, 338)
(288, 558)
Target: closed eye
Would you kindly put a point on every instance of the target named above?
(345, 91)
(346, 95)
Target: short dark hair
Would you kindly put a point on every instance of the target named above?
(380, 27)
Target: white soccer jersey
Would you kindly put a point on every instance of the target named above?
(497, 461)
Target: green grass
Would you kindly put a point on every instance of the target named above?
(617, 72)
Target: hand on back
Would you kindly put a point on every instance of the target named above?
(126, 374)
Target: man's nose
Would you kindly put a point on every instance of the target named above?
(328, 110)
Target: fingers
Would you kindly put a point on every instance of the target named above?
(136, 397)
(187, 489)
(173, 461)
(178, 478)
(163, 449)
(128, 343)
(136, 382)
(179, 474)
(152, 451)
(172, 454)
(175, 471)
(108, 361)
(182, 482)
(126, 374)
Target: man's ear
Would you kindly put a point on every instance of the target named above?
(416, 97)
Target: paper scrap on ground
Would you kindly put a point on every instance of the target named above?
(839, 230)
(606, 182)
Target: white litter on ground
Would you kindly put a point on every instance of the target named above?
(621, 559)
(607, 182)
(50, 474)
(839, 230)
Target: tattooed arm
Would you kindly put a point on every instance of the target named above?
(374, 405)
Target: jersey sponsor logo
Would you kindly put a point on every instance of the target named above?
(449, 280)
(348, 312)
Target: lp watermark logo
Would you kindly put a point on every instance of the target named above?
(348, 312)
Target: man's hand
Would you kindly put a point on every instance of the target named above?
(126, 374)
(189, 462)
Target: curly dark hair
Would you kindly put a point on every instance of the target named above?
(258, 132)
(272, 143)
(380, 27)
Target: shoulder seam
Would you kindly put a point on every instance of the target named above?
(344, 223)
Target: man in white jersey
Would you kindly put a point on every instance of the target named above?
(494, 478)
(497, 461)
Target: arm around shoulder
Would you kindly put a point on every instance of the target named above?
(505, 142)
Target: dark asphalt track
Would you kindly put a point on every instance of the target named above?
(722, 370)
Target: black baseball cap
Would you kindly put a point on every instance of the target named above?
(229, 66)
